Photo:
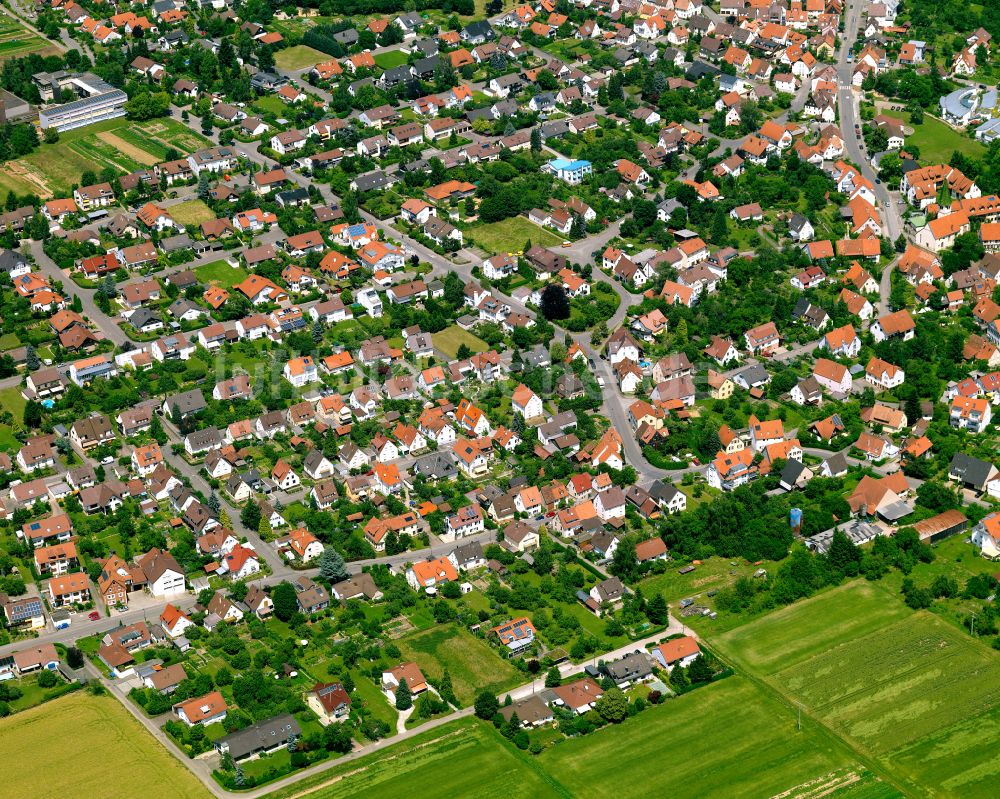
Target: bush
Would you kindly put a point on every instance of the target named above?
(47, 679)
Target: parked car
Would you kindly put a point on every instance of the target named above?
(93, 615)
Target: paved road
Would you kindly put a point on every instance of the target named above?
(105, 324)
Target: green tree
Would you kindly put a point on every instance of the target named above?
(32, 415)
(250, 515)
(331, 566)
(552, 677)
(486, 705)
(699, 670)
(337, 738)
(612, 706)
(285, 601)
(404, 699)
(656, 610)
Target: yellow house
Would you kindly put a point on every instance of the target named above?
(720, 386)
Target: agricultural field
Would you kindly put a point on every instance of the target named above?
(736, 742)
(192, 212)
(729, 739)
(473, 665)
(117, 144)
(16, 40)
(451, 338)
(103, 733)
(509, 235)
(300, 56)
(464, 758)
(910, 691)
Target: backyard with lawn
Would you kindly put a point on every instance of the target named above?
(220, 273)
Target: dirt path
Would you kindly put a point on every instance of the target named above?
(137, 154)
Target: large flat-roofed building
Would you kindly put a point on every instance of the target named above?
(12, 107)
(99, 100)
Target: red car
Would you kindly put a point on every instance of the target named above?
(93, 615)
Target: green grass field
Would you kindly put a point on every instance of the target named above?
(376, 701)
(937, 140)
(390, 59)
(299, 57)
(221, 273)
(461, 759)
(11, 400)
(908, 690)
(192, 212)
(800, 631)
(509, 235)
(473, 665)
(451, 338)
(729, 739)
(98, 732)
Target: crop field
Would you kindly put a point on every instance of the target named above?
(473, 665)
(117, 144)
(907, 689)
(800, 631)
(727, 739)
(16, 40)
(98, 731)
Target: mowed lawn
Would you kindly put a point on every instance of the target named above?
(451, 338)
(728, 739)
(99, 738)
(907, 689)
(473, 665)
(510, 235)
(192, 212)
(220, 273)
(299, 57)
(390, 59)
(937, 140)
